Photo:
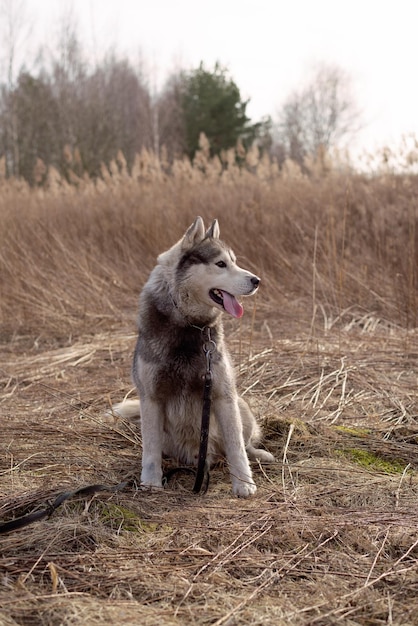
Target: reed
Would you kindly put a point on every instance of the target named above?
(336, 244)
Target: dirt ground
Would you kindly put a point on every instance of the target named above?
(331, 537)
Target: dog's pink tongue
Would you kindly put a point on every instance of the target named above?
(231, 305)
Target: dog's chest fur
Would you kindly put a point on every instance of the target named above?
(174, 352)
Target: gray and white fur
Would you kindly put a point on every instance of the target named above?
(193, 283)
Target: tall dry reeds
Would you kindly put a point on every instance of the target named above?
(330, 247)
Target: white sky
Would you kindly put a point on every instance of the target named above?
(269, 46)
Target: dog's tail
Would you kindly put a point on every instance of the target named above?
(128, 409)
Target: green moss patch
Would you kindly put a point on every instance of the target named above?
(126, 519)
(370, 461)
(356, 432)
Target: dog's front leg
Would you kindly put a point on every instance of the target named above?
(229, 419)
(152, 441)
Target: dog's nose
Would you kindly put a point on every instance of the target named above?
(255, 281)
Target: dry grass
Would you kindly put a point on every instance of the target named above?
(326, 354)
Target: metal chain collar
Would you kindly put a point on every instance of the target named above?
(209, 347)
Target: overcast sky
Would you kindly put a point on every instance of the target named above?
(269, 46)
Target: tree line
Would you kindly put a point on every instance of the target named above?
(75, 117)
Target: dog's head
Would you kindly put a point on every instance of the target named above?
(207, 274)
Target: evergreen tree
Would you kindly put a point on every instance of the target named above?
(212, 104)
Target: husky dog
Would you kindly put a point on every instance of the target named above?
(193, 283)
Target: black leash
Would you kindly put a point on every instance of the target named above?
(209, 346)
(202, 472)
(90, 490)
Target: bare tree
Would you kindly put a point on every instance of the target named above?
(15, 28)
(115, 114)
(319, 116)
(170, 116)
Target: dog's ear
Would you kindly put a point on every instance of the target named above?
(213, 230)
(194, 234)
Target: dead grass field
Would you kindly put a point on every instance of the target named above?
(327, 355)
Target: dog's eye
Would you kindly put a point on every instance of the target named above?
(221, 264)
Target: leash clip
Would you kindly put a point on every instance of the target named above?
(209, 347)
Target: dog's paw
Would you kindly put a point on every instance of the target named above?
(148, 487)
(151, 482)
(257, 454)
(152, 476)
(264, 457)
(243, 489)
